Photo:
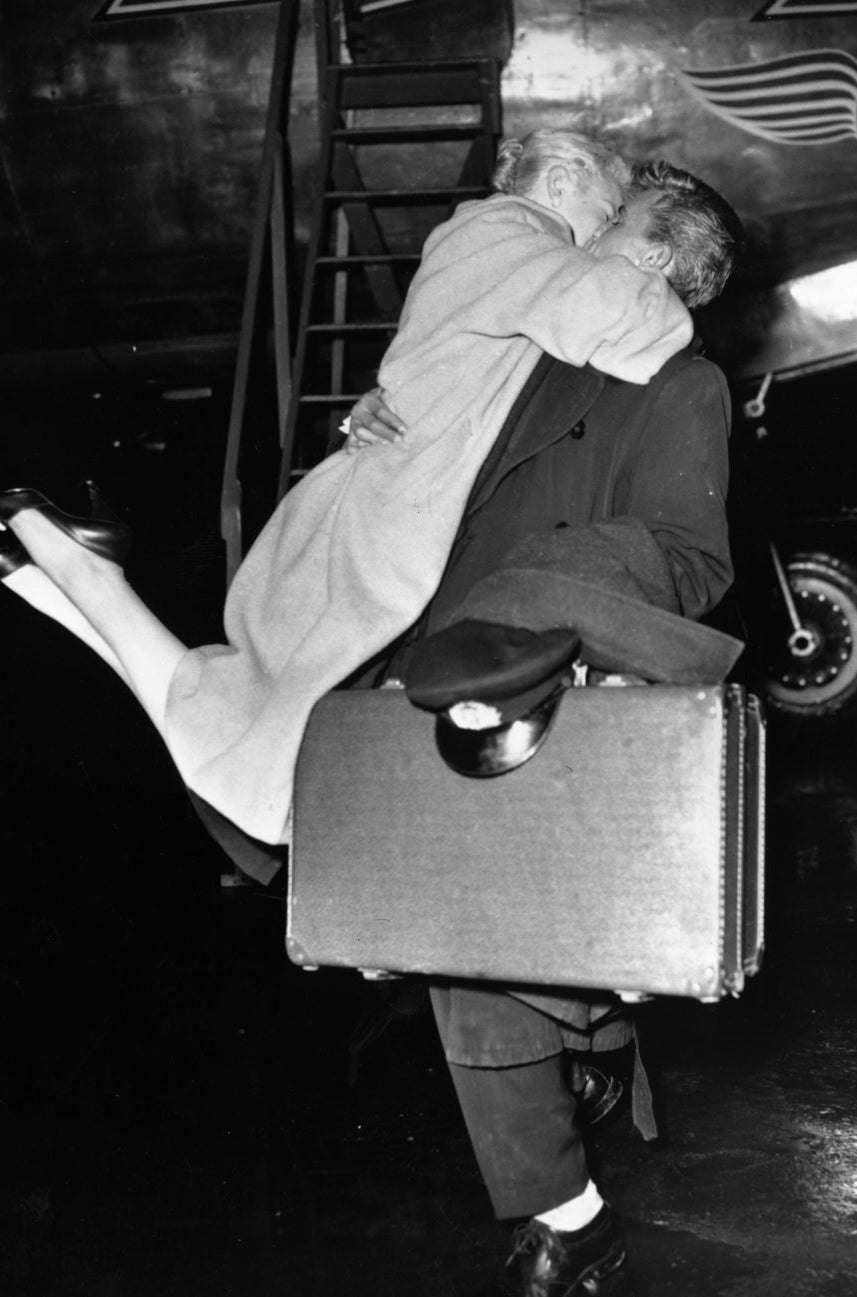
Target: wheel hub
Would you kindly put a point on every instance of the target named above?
(819, 648)
(804, 642)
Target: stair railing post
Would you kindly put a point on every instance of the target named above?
(271, 234)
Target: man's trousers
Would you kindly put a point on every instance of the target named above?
(507, 1063)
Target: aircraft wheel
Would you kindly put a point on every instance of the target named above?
(811, 673)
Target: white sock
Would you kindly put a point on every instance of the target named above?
(576, 1213)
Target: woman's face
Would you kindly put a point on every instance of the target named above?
(592, 209)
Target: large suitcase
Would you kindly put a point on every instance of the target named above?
(626, 855)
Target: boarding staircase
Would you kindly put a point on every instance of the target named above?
(401, 144)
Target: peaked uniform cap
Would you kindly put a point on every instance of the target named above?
(509, 667)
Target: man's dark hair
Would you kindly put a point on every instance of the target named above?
(704, 233)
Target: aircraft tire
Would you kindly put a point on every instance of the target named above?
(811, 676)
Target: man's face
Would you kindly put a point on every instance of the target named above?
(629, 237)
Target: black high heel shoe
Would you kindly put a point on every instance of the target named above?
(111, 540)
(12, 554)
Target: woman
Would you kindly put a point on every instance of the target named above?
(353, 554)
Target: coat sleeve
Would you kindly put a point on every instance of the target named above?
(504, 271)
(611, 582)
(677, 487)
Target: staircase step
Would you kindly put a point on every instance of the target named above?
(348, 327)
(402, 196)
(367, 259)
(410, 85)
(329, 398)
(418, 68)
(429, 132)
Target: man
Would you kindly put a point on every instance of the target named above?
(638, 473)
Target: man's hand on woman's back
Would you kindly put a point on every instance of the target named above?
(371, 421)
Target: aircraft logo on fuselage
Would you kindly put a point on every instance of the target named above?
(807, 98)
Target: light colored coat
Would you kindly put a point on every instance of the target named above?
(355, 552)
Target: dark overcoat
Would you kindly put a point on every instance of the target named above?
(581, 448)
(643, 473)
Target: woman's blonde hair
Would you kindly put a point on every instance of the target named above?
(520, 163)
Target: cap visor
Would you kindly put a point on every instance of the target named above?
(482, 754)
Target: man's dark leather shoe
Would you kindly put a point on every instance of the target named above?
(557, 1263)
(596, 1092)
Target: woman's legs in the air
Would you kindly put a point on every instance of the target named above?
(32, 585)
(123, 630)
